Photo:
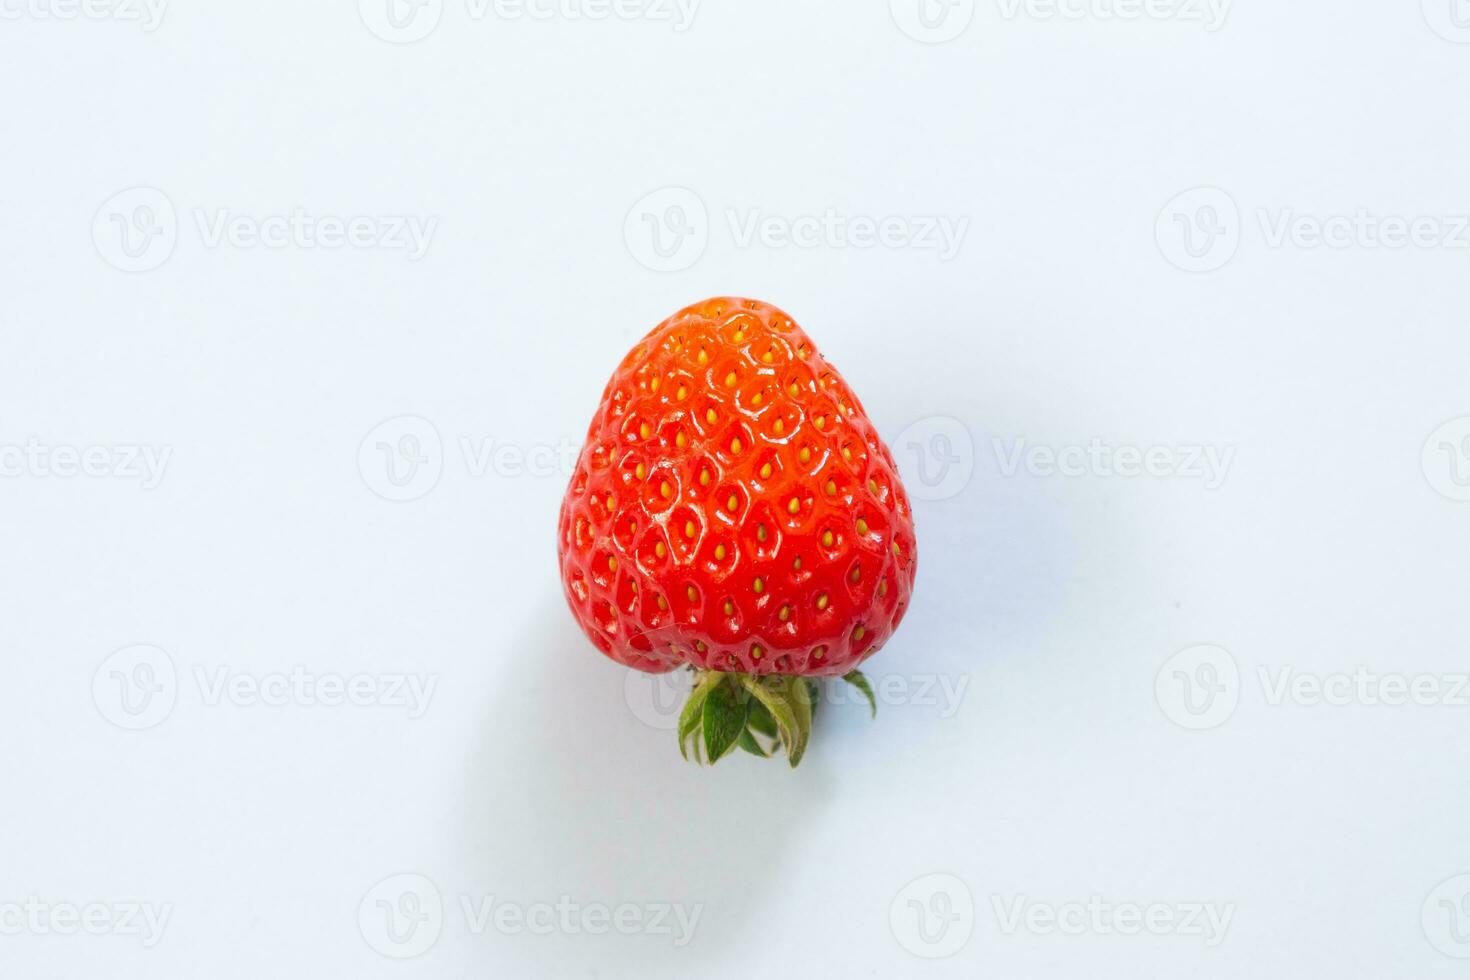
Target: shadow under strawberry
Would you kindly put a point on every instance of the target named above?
(570, 793)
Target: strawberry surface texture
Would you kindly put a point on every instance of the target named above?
(734, 510)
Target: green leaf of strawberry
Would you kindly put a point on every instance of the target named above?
(692, 716)
(799, 695)
(760, 720)
(857, 680)
(751, 744)
(724, 714)
(789, 702)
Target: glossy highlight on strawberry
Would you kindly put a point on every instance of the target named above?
(734, 510)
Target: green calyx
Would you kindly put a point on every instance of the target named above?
(759, 714)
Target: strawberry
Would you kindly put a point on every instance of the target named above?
(733, 510)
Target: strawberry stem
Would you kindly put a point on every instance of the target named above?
(730, 710)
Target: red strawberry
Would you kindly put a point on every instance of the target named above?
(734, 510)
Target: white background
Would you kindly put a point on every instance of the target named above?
(1336, 539)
